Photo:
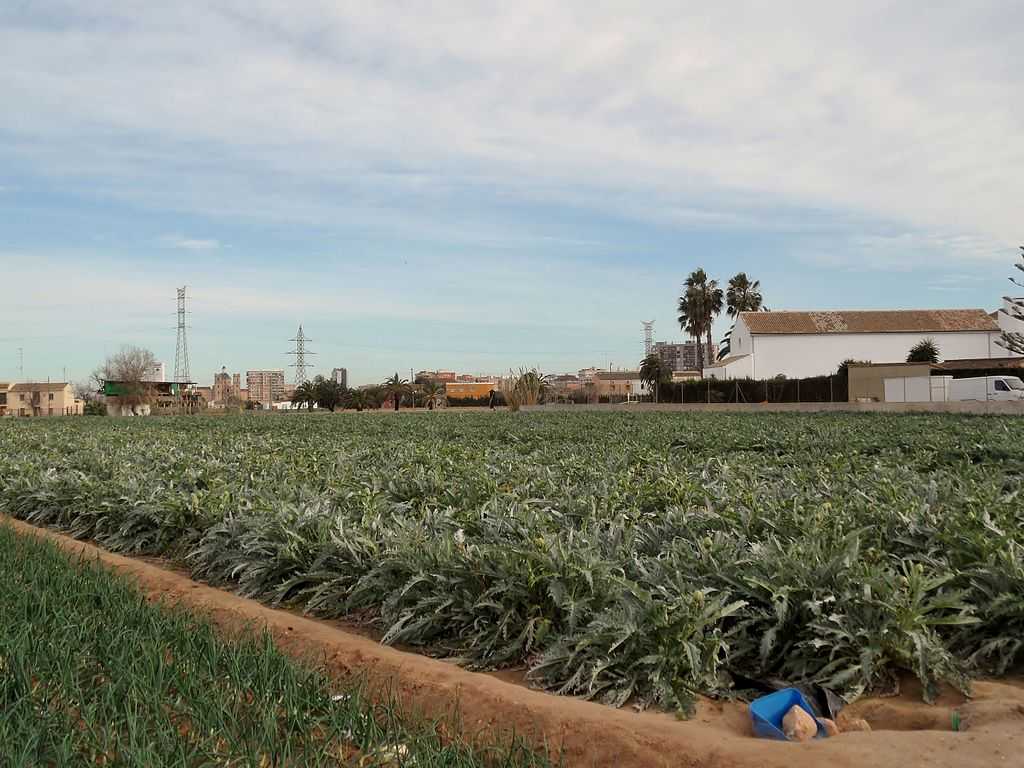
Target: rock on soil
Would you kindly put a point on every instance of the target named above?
(798, 725)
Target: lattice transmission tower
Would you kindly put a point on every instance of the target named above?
(181, 372)
(648, 336)
(300, 353)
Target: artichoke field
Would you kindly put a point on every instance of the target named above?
(639, 558)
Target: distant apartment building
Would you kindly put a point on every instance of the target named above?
(227, 387)
(586, 375)
(340, 377)
(685, 356)
(445, 377)
(156, 372)
(266, 386)
(566, 382)
(4, 386)
(41, 399)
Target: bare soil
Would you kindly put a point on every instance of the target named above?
(906, 732)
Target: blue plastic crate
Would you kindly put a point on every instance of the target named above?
(767, 713)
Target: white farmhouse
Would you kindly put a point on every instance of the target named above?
(801, 344)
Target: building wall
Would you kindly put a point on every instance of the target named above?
(265, 387)
(226, 387)
(39, 399)
(467, 389)
(802, 355)
(157, 373)
(685, 356)
(618, 387)
(740, 368)
(867, 382)
(340, 376)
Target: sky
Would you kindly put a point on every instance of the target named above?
(481, 186)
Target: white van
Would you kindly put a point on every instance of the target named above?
(987, 388)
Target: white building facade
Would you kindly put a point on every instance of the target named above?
(802, 344)
(156, 372)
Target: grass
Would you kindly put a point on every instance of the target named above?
(625, 557)
(92, 674)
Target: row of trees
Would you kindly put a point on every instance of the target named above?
(329, 395)
(702, 301)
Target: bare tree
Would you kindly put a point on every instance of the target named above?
(86, 390)
(127, 369)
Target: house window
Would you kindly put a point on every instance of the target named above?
(22, 397)
(50, 397)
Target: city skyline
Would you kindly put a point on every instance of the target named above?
(520, 188)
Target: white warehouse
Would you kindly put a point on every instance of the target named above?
(800, 344)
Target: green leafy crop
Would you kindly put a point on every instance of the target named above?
(627, 557)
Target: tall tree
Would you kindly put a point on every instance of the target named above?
(1014, 340)
(654, 373)
(129, 368)
(742, 295)
(700, 303)
(396, 387)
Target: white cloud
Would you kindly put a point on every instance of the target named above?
(190, 243)
(687, 113)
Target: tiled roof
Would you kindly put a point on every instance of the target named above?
(871, 321)
(39, 387)
(617, 375)
(726, 361)
(982, 364)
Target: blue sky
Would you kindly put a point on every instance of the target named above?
(490, 185)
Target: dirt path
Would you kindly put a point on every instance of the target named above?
(590, 734)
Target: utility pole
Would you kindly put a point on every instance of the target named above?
(181, 372)
(300, 353)
(21, 363)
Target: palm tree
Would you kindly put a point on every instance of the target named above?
(742, 295)
(304, 394)
(654, 373)
(1014, 340)
(925, 351)
(700, 303)
(396, 387)
(329, 393)
(358, 399)
(433, 393)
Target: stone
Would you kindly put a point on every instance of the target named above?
(831, 729)
(798, 725)
(847, 723)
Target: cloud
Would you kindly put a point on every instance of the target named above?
(683, 114)
(190, 243)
